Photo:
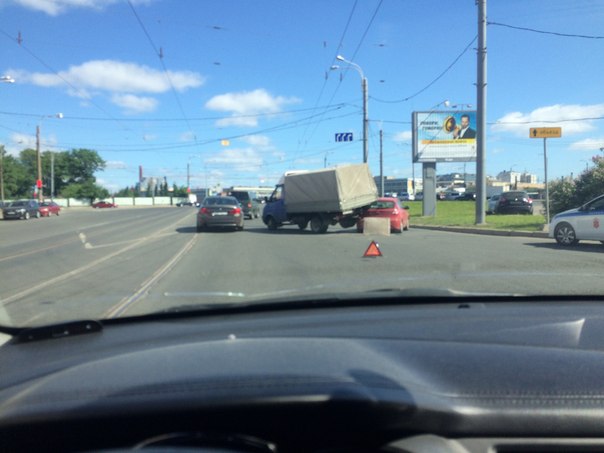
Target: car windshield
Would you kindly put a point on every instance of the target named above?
(164, 111)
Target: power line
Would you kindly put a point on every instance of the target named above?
(544, 32)
(159, 54)
(205, 118)
(433, 81)
(19, 42)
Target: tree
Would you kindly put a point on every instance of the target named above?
(569, 193)
(87, 190)
(82, 164)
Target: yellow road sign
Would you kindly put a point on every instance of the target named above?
(545, 132)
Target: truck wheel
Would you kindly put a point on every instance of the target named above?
(303, 225)
(318, 225)
(271, 223)
(348, 222)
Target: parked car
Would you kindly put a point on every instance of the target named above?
(513, 202)
(467, 196)
(185, 203)
(440, 195)
(49, 207)
(419, 196)
(451, 196)
(251, 208)
(21, 209)
(103, 204)
(406, 196)
(217, 211)
(387, 207)
(585, 222)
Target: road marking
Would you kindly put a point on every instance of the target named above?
(127, 302)
(15, 297)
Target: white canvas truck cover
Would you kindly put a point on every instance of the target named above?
(338, 189)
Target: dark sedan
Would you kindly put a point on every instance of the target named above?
(220, 212)
(22, 209)
(514, 202)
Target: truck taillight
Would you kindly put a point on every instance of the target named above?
(249, 204)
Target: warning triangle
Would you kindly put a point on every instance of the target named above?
(373, 250)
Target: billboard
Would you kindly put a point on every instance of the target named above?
(444, 136)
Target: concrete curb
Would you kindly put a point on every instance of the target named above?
(490, 232)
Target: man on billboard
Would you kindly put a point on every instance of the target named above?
(465, 131)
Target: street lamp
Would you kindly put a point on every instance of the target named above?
(365, 97)
(39, 157)
(4, 79)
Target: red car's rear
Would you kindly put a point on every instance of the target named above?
(387, 208)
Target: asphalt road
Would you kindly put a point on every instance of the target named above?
(119, 262)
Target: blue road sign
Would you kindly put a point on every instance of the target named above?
(344, 137)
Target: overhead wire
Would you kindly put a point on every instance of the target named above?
(545, 32)
(163, 65)
(447, 69)
(19, 42)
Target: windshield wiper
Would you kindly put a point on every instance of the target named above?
(61, 330)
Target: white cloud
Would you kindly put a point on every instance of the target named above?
(114, 76)
(56, 7)
(115, 165)
(245, 107)
(241, 159)
(188, 136)
(257, 140)
(121, 79)
(518, 123)
(404, 136)
(588, 144)
(134, 104)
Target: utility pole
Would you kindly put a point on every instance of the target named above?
(365, 118)
(52, 176)
(481, 97)
(381, 163)
(2, 174)
(39, 159)
(188, 175)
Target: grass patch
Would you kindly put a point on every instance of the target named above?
(462, 213)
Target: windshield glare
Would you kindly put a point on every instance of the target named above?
(127, 120)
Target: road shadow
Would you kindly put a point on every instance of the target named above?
(580, 247)
(258, 229)
(216, 230)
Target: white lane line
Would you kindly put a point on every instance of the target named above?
(127, 302)
(73, 273)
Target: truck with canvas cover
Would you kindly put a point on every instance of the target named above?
(321, 198)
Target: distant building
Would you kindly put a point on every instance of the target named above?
(514, 177)
(397, 186)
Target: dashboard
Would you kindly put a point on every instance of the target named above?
(411, 376)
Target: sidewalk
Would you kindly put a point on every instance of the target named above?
(486, 231)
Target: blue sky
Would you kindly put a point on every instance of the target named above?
(163, 83)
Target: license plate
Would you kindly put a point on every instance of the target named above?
(219, 213)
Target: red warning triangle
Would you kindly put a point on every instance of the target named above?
(373, 250)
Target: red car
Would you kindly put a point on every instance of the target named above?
(103, 204)
(388, 208)
(48, 208)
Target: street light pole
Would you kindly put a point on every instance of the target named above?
(365, 89)
(39, 163)
(38, 155)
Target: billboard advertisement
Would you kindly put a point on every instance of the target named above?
(444, 136)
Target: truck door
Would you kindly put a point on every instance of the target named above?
(275, 205)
